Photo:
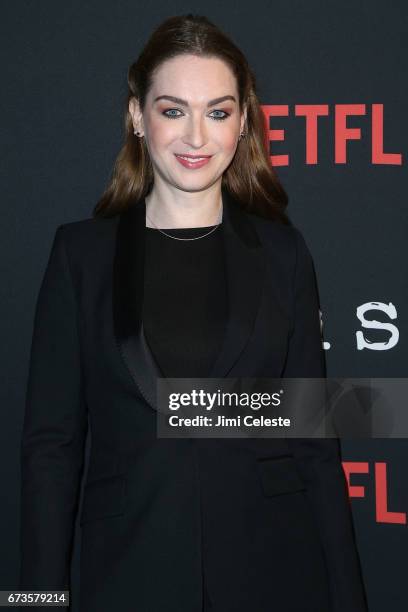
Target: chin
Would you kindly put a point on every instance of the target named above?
(193, 186)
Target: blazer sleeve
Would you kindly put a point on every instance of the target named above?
(54, 431)
(319, 459)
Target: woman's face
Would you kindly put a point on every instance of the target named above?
(191, 109)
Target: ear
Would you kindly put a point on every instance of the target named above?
(136, 114)
(243, 122)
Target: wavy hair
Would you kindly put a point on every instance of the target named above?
(250, 177)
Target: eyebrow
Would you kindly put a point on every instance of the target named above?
(185, 103)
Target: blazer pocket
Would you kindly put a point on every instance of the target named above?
(279, 475)
(103, 498)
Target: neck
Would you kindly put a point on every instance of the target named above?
(166, 208)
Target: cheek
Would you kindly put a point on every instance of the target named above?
(229, 142)
(160, 134)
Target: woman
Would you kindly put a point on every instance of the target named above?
(189, 268)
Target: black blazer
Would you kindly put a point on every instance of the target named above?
(267, 521)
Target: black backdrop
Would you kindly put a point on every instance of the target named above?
(63, 84)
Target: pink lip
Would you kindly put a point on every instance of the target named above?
(192, 165)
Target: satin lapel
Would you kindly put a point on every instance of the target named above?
(128, 286)
(245, 269)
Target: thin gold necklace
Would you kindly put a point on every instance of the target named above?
(196, 238)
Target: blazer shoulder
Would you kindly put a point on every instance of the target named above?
(81, 236)
(92, 228)
(88, 242)
(286, 238)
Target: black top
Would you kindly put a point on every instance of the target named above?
(185, 299)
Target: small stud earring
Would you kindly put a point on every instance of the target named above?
(136, 133)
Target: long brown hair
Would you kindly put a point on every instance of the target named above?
(250, 177)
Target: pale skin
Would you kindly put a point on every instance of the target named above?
(184, 197)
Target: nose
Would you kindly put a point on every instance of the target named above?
(195, 133)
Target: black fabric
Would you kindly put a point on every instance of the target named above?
(185, 300)
(207, 605)
(155, 508)
(185, 304)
